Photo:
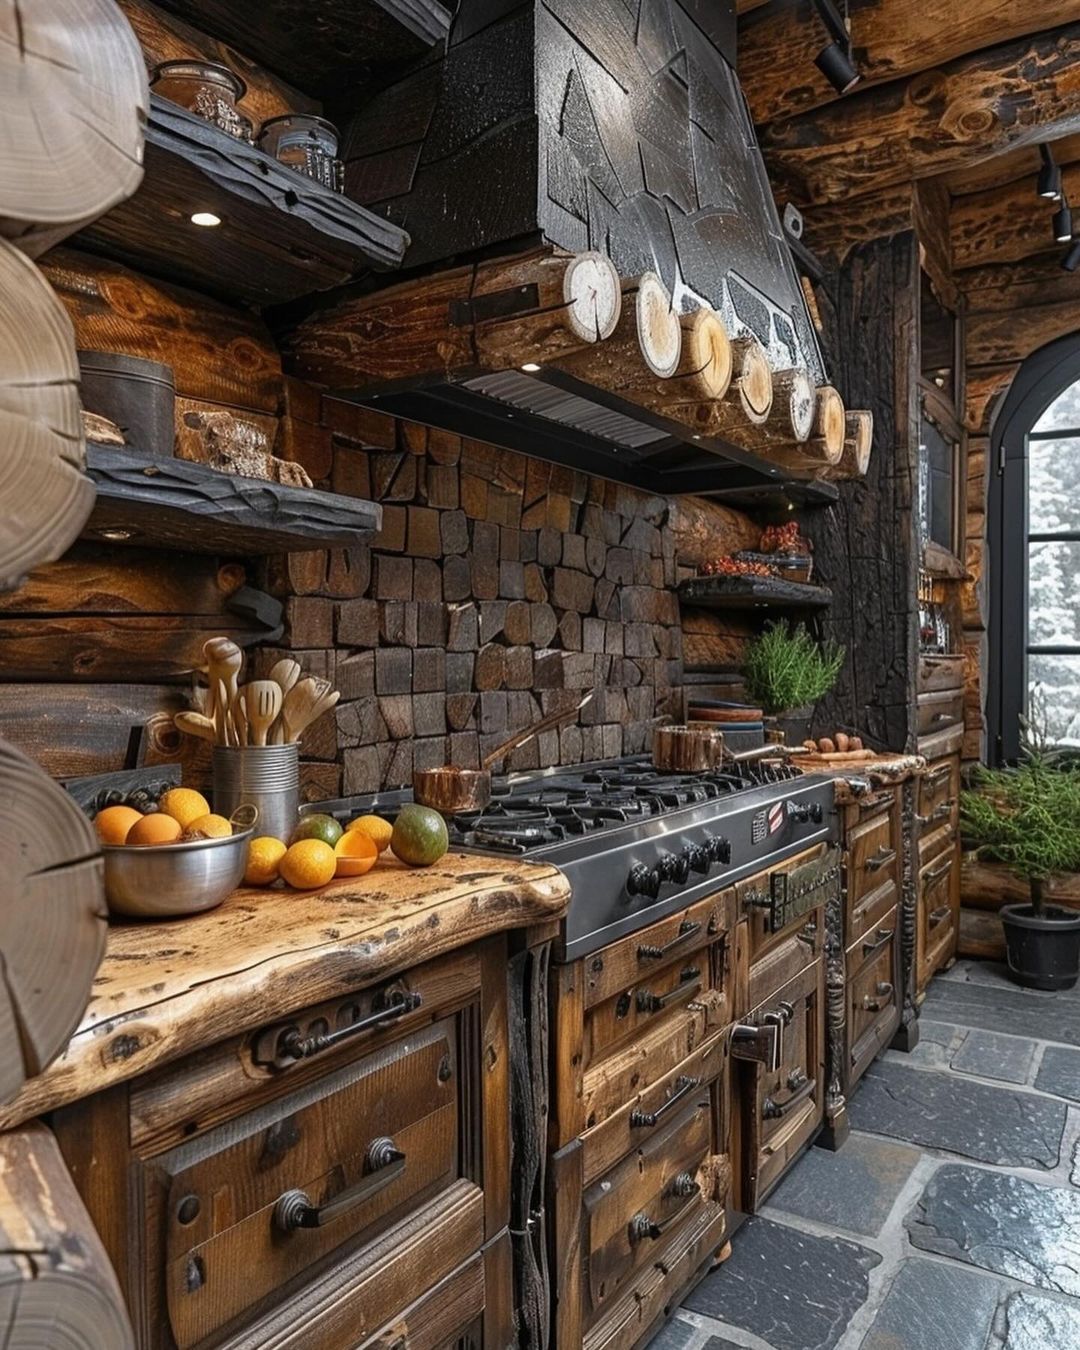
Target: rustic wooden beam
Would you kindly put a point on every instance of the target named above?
(1024, 162)
(1007, 224)
(1004, 336)
(939, 120)
(893, 40)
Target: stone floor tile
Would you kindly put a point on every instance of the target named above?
(1001, 1223)
(718, 1343)
(995, 975)
(854, 1188)
(935, 1047)
(677, 1335)
(1041, 1324)
(932, 1306)
(1004, 1008)
(795, 1291)
(1059, 1072)
(946, 1111)
(989, 1054)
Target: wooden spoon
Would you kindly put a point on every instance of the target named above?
(262, 706)
(196, 724)
(224, 661)
(285, 672)
(300, 704)
(239, 718)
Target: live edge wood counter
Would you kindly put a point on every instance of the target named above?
(316, 1121)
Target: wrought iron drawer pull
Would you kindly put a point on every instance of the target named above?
(879, 999)
(641, 1226)
(773, 1110)
(292, 1045)
(938, 775)
(940, 812)
(881, 859)
(940, 872)
(938, 916)
(808, 934)
(687, 930)
(384, 1163)
(884, 935)
(648, 1002)
(683, 1086)
(940, 717)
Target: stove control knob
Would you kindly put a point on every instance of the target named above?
(719, 849)
(674, 867)
(801, 812)
(643, 881)
(698, 857)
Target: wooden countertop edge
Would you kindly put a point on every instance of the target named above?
(111, 1047)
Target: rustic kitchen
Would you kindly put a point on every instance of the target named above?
(520, 646)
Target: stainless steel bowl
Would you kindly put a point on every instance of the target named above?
(168, 881)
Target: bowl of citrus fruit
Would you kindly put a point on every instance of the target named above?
(180, 859)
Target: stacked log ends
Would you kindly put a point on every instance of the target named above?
(73, 103)
(707, 359)
(829, 424)
(56, 1283)
(858, 442)
(753, 380)
(592, 294)
(45, 498)
(53, 920)
(659, 332)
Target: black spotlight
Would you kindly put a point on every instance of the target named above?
(1063, 222)
(1071, 260)
(1049, 176)
(834, 60)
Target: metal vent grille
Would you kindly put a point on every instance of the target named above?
(545, 400)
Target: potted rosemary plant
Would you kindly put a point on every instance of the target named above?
(1028, 819)
(786, 671)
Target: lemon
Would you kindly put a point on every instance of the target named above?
(379, 831)
(184, 805)
(211, 826)
(263, 861)
(309, 864)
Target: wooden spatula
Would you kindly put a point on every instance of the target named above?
(224, 661)
(196, 724)
(262, 705)
(300, 705)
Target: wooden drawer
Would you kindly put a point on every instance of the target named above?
(934, 843)
(787, 961)
(871, 856)
(939, 793)
(938, 914)
(869, 914)
(663, 993)
(251, 1205)
(631, 1213)
(939, 673)
(873, 1011)
(939, 710)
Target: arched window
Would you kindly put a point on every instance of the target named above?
(1034, 539)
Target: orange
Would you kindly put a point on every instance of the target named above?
(376, 829)
(213, 827)
(309, 864)
(356, 853)
(264, 860)
(156, 829)
(113, 823)
(185, 805)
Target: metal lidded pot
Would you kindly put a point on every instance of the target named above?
(306, 143)
(264, 776)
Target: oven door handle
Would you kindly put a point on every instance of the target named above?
(687, 930)
(682, 1088)
(384, 1163)
(689, 985)
(772, 1110)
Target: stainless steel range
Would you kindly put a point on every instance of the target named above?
(637, 844)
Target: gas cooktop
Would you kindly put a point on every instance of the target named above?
(636, 843)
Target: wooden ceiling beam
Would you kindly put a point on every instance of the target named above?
(1007, 168)
(893, 40)
(1007, 224)
(938, 121)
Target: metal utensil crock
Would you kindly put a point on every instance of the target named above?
(265, 776)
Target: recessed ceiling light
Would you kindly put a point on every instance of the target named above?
(117, 536)
(205, 218)
(531, 367)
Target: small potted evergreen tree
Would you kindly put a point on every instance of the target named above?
(786, 671)
(1028, 819)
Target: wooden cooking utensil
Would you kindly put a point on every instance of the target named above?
(262, 706)
(285, 672)
(523, 737)
(196, 724)
(239, 718)
(302, 706)
(222, 721)
(224, 661)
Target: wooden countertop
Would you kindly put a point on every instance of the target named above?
(169, 987)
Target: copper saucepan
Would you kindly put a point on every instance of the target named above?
(452, 790)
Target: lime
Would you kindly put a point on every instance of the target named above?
(419, 837)
(317, 826)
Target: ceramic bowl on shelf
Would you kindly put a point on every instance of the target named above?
(171, 881)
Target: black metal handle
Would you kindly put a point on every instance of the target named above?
(879, 998)
(939, 775)
(808, 934)
(939, 717)
(641, 1226)
(938, 872)
(292, 1045)
(384, 1163)
(940, 812)
(648, 1002)
(883, 936)
(687, 930)
(938, 916)
(762, 1044)
(881, 859)
(683, 1086)
(773, 1110)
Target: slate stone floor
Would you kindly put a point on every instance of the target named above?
(950, 1220)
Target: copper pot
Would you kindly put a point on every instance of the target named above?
(452, 791)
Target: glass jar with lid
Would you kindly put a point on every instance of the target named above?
(206, 89)
(307, 144)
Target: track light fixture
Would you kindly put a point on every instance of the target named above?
(835, 60)
(1063, 226)
(1049, 176)
(1071, 261)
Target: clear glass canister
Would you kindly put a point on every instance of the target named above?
(206, 89)
(307, 144)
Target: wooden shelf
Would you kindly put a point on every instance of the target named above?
(325, 47)
(939, 563)
(752, 593)
(173, 503)
(282, 235)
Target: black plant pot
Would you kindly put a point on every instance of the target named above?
(1043, 951)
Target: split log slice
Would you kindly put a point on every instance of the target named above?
(707, 359)
(57, 1287)
(659, 331)
(53, 922)
(45, 498)
(854, 458)
(830, 426)
(593, 296)
(73, 105)
(753, 379)
(794, 404)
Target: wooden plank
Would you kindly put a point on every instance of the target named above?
(959, 114)
(265, 953)
(1002, 170)
(1008, 224)
(992, 339)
